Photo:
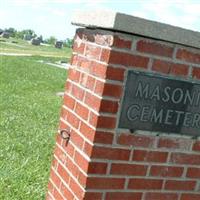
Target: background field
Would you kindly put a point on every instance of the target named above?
(29, 119)
(13, 45)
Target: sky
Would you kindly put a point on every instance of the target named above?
(53, 17)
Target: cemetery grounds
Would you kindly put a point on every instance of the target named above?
(29, 115)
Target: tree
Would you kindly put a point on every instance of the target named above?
(11, 31)
(51, 40)
(20, 34)
(68, 43)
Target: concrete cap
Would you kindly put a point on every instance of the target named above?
(135, 25)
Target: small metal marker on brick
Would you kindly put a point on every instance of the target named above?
(65, 134)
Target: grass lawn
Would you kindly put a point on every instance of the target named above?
(22, 46)
(29, 113)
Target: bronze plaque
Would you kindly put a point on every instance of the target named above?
(156, 103)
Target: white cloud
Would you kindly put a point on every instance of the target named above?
(44, 2)
(182, 13)
(57, 12)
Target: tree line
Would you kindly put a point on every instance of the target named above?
(51, 40)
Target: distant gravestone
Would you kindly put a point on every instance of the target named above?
(59, 44)
(5, 35)
(35, 41)
(40, 39)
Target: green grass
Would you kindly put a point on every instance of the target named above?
(29, 113)
(25, 47)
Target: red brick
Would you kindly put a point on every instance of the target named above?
(97, 168)
(188, 56)
(87, 148)
(73, 120)
(109, 106)
(63, 173)
(99, 87)
(154, 48)
(69, 101)
(150, 156)
(68, 87)
(166, 171)
(182, 158)
(145, 184)
(93, 196)
(174, 143)
(110, 153)
(57, 195)
(190, 196)
(122, 43)
(170, 67)
(160, 196)
(196, 72)
(105, 55)
(126, 59)
(180, 185)
(72, 167)
(107, 89)
(96, 37)
(73, 75)
(76, 189)
(64, 113)
(112, 90)
(103, 137)
(193, 173)
(135, 140)
(50, 187)
(76, 139)
(79, 34)
(62, 125)
(82, 178)
(128, 169)
(104, 40)
(123, 196)
(179, 69)
(196, 146)
(92, 101)
(82, 111)
(92, 51)
(88, 132)
(87, 81)
(84, 63)
(55, 179)
(60, 154)
(70, 150)
(162, 66)
(78, 47)
(102, 121)
(114, 73)
(105, 183)
(98, 69)
(106, 122)
(77, 92)
(93, 119)
(54, 163)
(66, 192)
(81, 161)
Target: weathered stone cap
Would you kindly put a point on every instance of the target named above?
(135, 25)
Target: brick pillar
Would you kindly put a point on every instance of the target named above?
(103, 162)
